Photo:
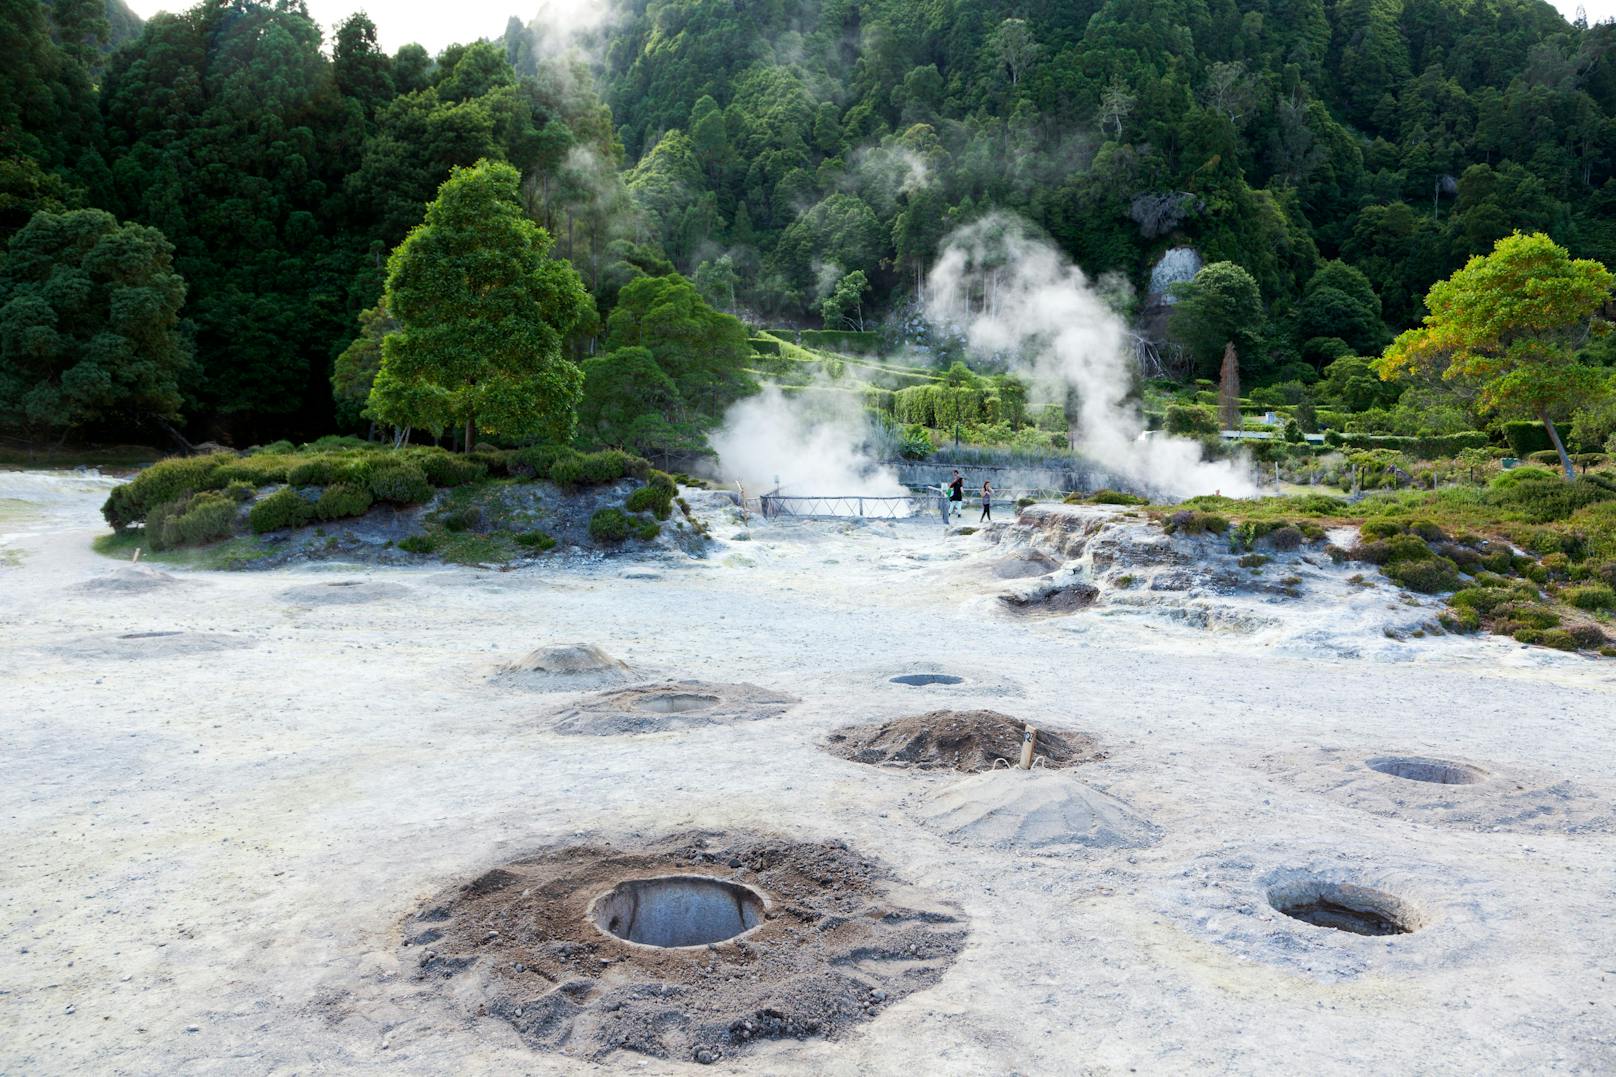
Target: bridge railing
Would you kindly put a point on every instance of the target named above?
(806, 506)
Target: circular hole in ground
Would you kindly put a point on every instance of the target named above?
(1437, 771)
(920, 680)
(674, 702)
(1345, 907)
(677, 910)
(147, 635)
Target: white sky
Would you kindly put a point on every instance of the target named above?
(433, 23)
(436, 24)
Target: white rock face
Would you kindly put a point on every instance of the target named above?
(1177, 265)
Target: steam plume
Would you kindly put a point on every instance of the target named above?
(814, 443)
(1013, 294)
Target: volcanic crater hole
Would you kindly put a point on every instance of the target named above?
(674, 702)
(920, 680)
(1436, 771)
(1345, 907)
(148, 635)
(677, 910)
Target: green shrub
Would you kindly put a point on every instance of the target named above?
(1286, 538)
(1380, 529)
(283, 508)
(536, 540)
(399, 482)
(1520, 614)
(535, 461)
(339, 441)
(1481, 599)
(263, 470)
(207, 517)
(274, 448)
(1115, 497)
(1319, 505)
(609, 525)
(1428, 576)
(1559, 639)
(598, 468)
(341, 500)
(1527, 635)
(166, 480)
(657, 499)
(461, 520)
(646, 529)
(1541, 497)
(446, 469)
(239, 491)
(422, 544)
(1253, 560)
(1191, 421)
(1461, 619)
(1428, 531)
(314, 471)
(1590, 596)
(1195, 522)
(496, 462)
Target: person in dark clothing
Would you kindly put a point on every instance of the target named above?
(987, 501)
(956, 488)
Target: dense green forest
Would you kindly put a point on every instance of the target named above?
(199, 212)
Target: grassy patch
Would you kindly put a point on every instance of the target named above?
(232, 553)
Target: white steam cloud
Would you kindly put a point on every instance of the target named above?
(1014, 295)
(815, 444)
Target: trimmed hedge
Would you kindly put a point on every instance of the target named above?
(1424, 447)
(1525, 437)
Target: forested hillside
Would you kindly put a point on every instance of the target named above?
(1343, 155)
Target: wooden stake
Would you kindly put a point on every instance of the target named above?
(136, 559)
(1029, 739)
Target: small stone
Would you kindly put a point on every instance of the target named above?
(707, 1055)
(193, 1028)
(878, 995)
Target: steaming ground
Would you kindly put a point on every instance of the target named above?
(223, 802)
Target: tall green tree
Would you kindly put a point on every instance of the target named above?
(1510, 323)
(483, 313)
(89, 325)
(1221, 305)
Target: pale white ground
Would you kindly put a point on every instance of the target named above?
(210, 840)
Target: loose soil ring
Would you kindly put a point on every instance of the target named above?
(966, 741)
(666, 706)
(691, 946)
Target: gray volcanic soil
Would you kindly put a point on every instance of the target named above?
(213, 858)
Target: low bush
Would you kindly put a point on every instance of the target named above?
(535, 461)
(598, 468)
(281, 509)
(462, 520)
(1380, 529)
(166, 480)
(1481, 599)
(609, 525)
(1115, 497)
(1590, 596)
(1428, 576)
(1520, 614)
(400, 482)
(446, 469)
(208, 516)
(239, 491)
(1191, 421)
(422, 544)
(536, 540)
(646, 529)
(1588, 635)
(341, 500)
(1253, 560)
(258, 470)
(1287, 538)
(1391, 550)
(1195, 522)
(655, 497)
(1460, 619)
(314, 471)
(274, 448)
(1559, 639)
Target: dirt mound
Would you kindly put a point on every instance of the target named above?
(127, 581)
(668, 705)
(1034, 810)
(574, 666)
(1050, 598)
(343, 593)
(967, 741)
(832, 942)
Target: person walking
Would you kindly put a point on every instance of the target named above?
(987, 501)
(956, 491)
(943, 504)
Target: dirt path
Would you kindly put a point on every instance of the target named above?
(223, 805)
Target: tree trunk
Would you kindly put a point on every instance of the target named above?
(1554, 436)
(186, 448)
(471, 434)
(1229, 389)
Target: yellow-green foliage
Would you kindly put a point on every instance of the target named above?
(203, 517)
(283, 508)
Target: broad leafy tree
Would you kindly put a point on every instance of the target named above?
(1509, 323)
(483, 314)
(1222, 305)
(89, 325)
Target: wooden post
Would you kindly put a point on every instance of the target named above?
(135, 559)
(1029, 739)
